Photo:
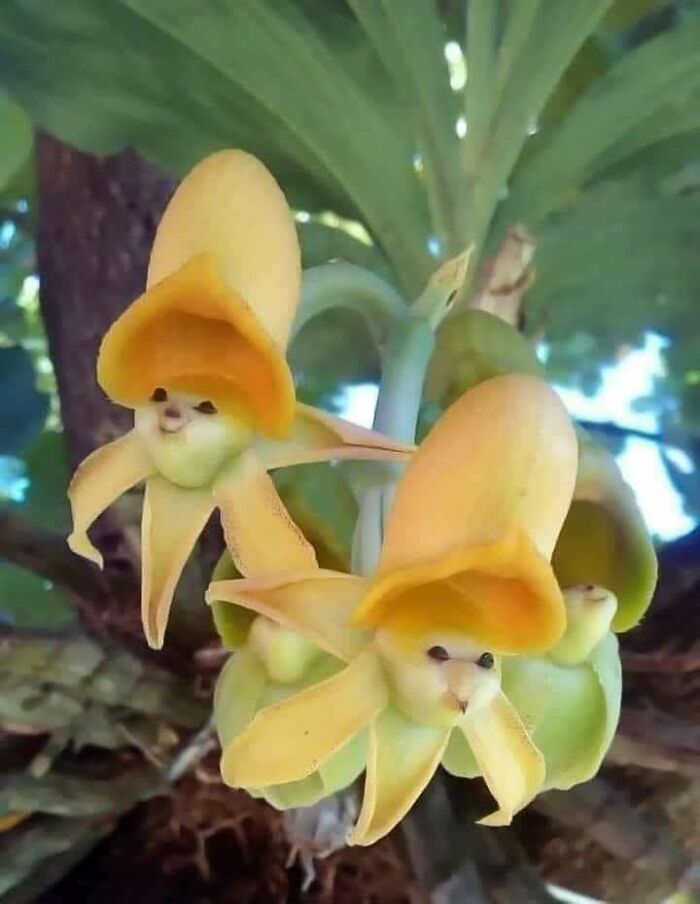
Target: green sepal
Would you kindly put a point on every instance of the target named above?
(458, 758)
(232, 622)
(244, 688)
(571, 712)
(320, 501)
(473, 346)
(604, 539)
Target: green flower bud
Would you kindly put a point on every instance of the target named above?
(604, 539)
(245, 687)
(473, 346)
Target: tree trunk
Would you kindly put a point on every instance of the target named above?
(97, 219)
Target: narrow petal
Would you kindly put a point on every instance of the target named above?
(104, 475)
(403, 756)
(319, 436)
(512, 767)
(316, 603)
(291, 739)
(173, 519)
(260, 535)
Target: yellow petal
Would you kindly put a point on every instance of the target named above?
(478, 511)
(260, 535)
(194, 333)
(316, 603)
(512, 767)
(104, 475)
(173, 519)
(403, 756)
(231, 207)
(291, 739)
(318, 436)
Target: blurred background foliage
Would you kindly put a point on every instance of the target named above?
(402, 131)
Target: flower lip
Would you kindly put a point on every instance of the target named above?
(503, 594)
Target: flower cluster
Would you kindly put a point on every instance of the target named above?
(511, 550)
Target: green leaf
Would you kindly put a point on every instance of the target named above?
(539, 41)
(159, 76)
(660, 72)
(17, 138)
(411, 42)
(321, 244)
(28, 601)
(619, 261)
(319, 499)
(23, 409)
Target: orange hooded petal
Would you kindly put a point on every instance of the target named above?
(476, 516)
(223, 286)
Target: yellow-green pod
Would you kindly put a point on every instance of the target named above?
(471, 347)
(245, 687)
(604, 539)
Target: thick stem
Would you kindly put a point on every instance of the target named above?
(405, 362)
(349, 286)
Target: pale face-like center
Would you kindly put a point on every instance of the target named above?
(187, 438)
(438, 679)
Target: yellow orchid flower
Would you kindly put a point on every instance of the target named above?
(200, 358)
(464, 579)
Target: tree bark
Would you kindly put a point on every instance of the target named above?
(97, 219)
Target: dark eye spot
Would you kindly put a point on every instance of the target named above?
(205, 407)
(439, 654)
(159, 395)
(485, 661)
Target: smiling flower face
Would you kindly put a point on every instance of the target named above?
(463, 583)
(200, 358)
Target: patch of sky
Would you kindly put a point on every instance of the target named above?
(640, 461)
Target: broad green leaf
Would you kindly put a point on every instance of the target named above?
(619, 261)
(237, 73)
(23, 409)
(658, 73)
(411, 42)
(17, 138)
(321, 244)
(555, 31)
(321, 502)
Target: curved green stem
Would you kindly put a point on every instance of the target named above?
(341, 285)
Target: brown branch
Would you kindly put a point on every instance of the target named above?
(46, 553)
(654, 740)
(608, 818)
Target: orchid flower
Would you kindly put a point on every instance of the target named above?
(200, 359)
(464, 579)
(568, 698)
